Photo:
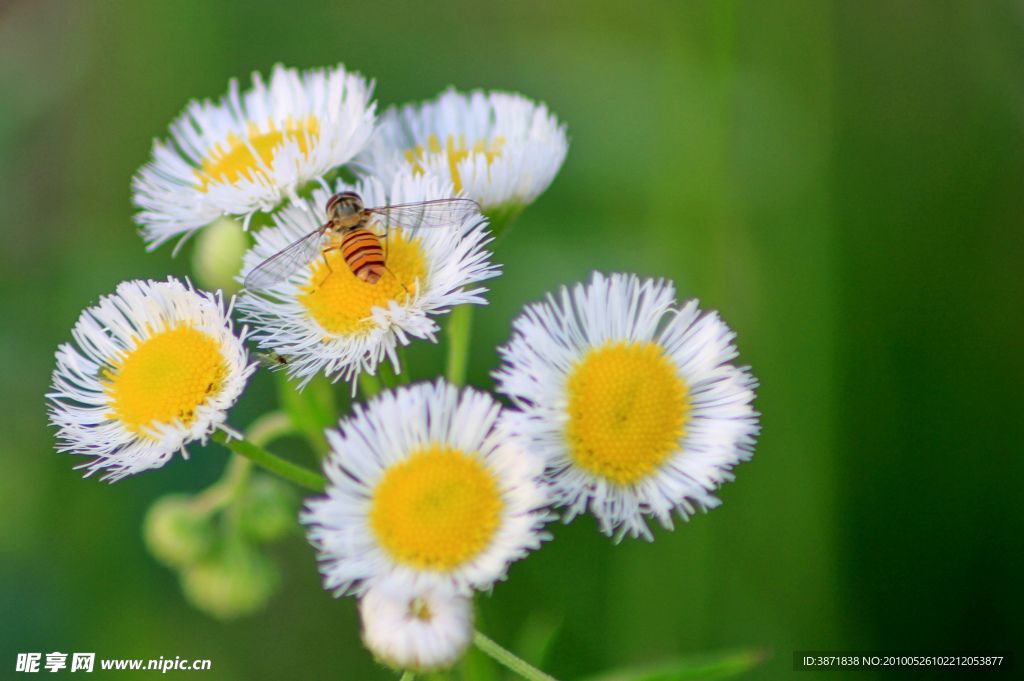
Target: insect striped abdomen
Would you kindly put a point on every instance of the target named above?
(364, 255)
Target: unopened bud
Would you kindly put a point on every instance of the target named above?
(235, 581)
(217, 258)
(176, 533)
(268, 509)
(416, 630)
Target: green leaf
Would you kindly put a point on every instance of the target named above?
(537, 635)
(702, 667)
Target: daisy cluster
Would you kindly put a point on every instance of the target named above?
(623, 403)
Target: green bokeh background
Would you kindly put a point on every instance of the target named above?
(844, 181)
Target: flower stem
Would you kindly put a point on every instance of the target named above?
(269, 427)
(218, 495)
(274, 464)
(407, 676)
(519, 666)
(460, 323)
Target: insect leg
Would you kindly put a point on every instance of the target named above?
(330, 270)
(384, 238)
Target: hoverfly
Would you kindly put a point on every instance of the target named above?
(348, 229)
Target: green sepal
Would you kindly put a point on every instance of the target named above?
(501, 217)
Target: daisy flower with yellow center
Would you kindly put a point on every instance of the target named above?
(416, 630)
(497, 148)
(424, 488)
(631, 402)
(156, 366)
(325, 318)
(252, 150)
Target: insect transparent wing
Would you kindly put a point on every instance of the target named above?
(439, 213)
(281, 265)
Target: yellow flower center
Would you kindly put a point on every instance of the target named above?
(456, 152)
(627, 409)
(436, 509)
(228, 163)
(341, 302)
(165, 378)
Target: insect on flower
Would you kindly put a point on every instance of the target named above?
(350, 229)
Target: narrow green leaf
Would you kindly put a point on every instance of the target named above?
(701, 667)
(537, 635)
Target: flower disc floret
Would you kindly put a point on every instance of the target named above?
(627, 408)
(166, 377)
(437, 509)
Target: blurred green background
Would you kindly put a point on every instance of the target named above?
(844, 181)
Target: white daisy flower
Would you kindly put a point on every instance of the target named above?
(324, 318)
(497, 148)
(252, 150)
(631, 402)
(157, 366)
(423, 487)
(419, 631)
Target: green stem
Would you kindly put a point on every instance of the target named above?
(269, 427)
(262, 431)
(521, 667)
(460, 324)
(219, 494)
(274, 464)
(407, 676)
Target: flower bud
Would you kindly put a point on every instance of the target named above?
(217, 258)
(235, 581)
(416, 630)
(176, 533)
(268, 509)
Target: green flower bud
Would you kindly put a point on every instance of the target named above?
(268, 509)
(176, 533)
(217, 258)
(235, 581)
